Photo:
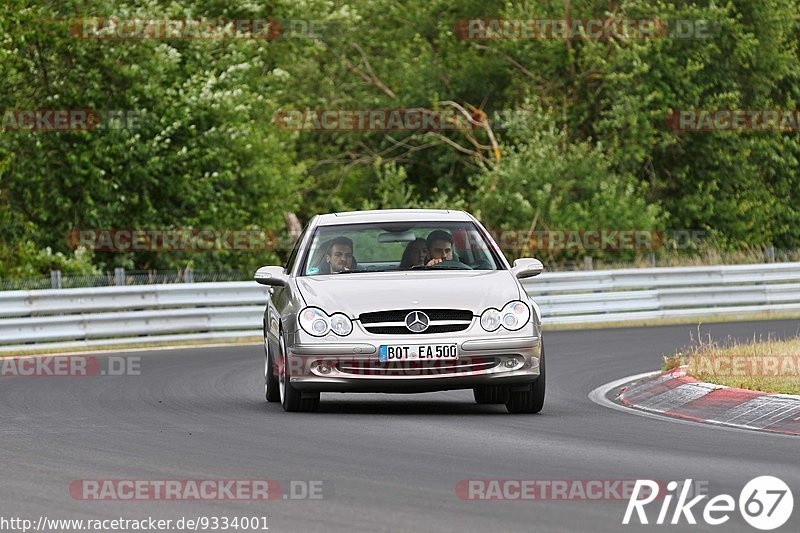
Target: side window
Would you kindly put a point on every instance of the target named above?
(295, 249)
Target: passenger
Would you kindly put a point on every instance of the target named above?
(440, 247)
(416, 254)
(339, 256)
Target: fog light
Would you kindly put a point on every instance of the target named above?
(323, 367)
(511, 363)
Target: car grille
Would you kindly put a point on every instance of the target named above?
(393, 322)
(402, 330)
(400, 315)
(418, 368)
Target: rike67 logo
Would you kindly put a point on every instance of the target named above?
(765, 503)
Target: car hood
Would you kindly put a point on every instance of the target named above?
(354, 294)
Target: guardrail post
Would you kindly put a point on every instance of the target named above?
(652, 258)
(55, 279)
(188, 276)
(119, 276)
(587, 262)
(771, 254)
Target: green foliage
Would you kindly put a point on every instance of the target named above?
(391, 189)
(548, 183)
(26, 259)
(592, 150)
(204, 154)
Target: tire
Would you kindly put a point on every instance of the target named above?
(532, 399)
(271, 392)
(481, 395)
(491, 394)
(291, 398)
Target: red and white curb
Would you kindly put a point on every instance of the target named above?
(675, 394)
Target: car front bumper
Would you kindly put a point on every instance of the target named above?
(354, 366)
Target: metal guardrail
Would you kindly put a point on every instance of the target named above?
(206, 311)
(120, 277)
(666, 293)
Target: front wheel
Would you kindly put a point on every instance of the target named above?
(291, 398)
(271, 392)
(530, 400)
(490, 394)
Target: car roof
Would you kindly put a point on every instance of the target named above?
(393, 215)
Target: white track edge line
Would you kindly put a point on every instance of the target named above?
(598, 396)
(133, 350)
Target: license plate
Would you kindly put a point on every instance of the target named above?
(425, 352)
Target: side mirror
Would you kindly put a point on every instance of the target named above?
(527, 267)
(272, 275)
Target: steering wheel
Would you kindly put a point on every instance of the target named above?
(482, 265)
(450, 263)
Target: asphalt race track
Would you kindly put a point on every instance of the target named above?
(387, 462)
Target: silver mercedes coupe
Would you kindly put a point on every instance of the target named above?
(396, 301)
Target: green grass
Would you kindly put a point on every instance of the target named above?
(761, 365)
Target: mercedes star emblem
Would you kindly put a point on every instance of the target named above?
(417, 321)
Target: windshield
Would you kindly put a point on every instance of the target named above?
(406, 246)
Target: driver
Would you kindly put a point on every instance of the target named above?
(340, 254)
(440, 246)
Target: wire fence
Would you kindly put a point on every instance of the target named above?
(122, 277)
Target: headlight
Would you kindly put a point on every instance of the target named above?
(316, 322)
(491, 319)
(340, 324)
(514, 316)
